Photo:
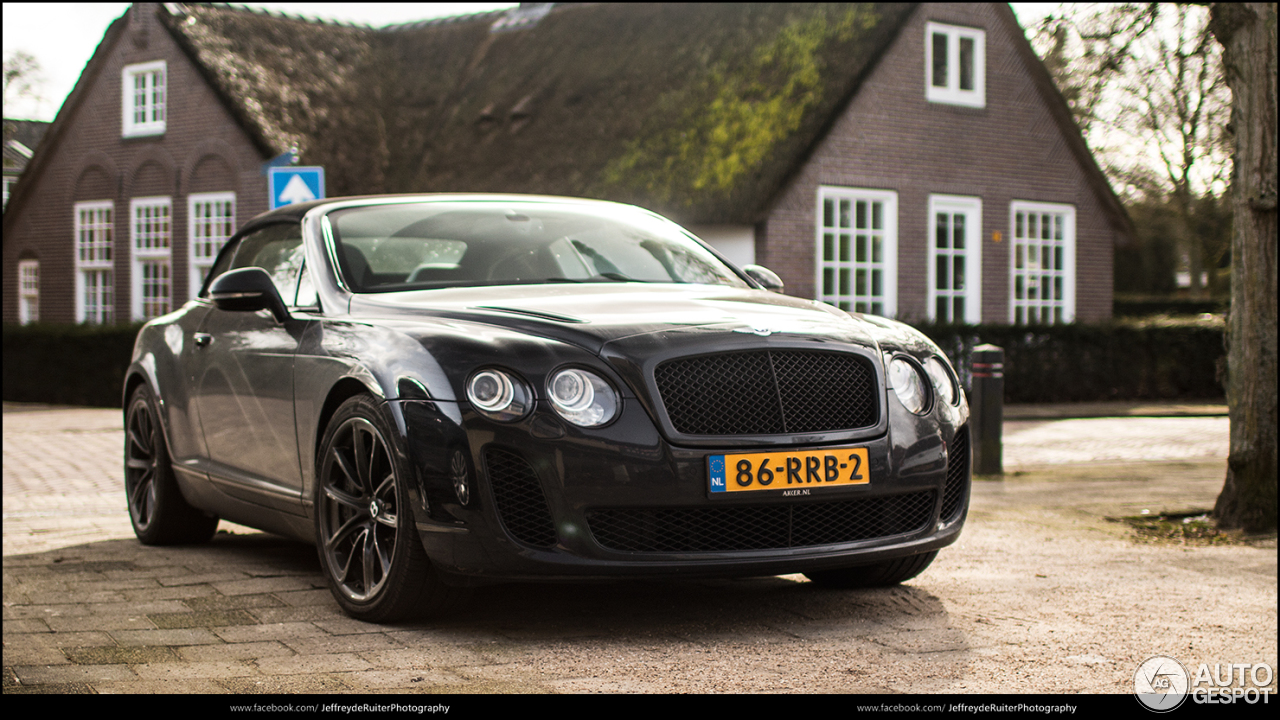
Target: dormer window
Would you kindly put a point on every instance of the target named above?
(955, 65)
(144, 99)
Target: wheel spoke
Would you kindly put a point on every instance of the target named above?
(340, 458)
(348, 528)
(349, 500)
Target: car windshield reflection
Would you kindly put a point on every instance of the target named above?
(457, 244)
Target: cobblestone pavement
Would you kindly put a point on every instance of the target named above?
(1041, 594)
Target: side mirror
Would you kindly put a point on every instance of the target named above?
(767, 278)
(247, 290)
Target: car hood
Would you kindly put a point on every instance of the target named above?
(591, 315)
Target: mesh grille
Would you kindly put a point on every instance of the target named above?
(760, 527)
(768, 392)
(521, 504)
(957, 475)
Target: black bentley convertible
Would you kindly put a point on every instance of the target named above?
(442, 391)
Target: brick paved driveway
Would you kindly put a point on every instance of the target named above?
(1039, 595)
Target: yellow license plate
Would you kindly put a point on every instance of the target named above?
(802, 470)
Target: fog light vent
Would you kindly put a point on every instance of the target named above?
(521, 503)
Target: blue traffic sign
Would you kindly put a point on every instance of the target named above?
(289, 185)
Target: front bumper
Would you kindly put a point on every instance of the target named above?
(550, 501)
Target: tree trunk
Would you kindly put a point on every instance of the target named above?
(1247, 32)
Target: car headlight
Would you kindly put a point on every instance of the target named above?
(498, 395)
(943, 381)
(909, 385)
(582, 397)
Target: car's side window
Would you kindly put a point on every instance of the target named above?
(276, 249)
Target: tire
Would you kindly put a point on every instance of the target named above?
(890, 572)
(368, 542)
(157, 510)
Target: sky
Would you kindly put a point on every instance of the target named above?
(63, 36)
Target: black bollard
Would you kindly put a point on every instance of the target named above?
(988, 410)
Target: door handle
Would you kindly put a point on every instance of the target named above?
(203, 339)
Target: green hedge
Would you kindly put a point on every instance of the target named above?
(1128, 359)
(1144, 305)
(67, 364)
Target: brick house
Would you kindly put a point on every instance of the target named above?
(910, 161)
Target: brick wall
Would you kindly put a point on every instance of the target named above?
(890, 138)
(202, 150)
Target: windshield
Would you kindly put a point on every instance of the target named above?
(383, 248)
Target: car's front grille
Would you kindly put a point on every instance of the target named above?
(957, 475)
(760, 527)
(767, 392)
(521, 502)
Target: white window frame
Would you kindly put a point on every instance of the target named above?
(203, 232)
(94, 265)
(28, 291)
(844, 253)
(155, 100)
(952, 94)
(972, 252)
(151, 243)
(1036, 310)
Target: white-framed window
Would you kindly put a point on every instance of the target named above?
(955, 259)
(211, 220)
(94, 232)
(955, 65)
(857, 249)
(1042, 282)
(28, 291)
(143, 98)
(151, 230)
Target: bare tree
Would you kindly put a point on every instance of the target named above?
(1145, 84)
(22, 78)
(1247, 32)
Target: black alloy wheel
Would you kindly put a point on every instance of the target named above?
(365, 532)
(159, 513)
(889, 572)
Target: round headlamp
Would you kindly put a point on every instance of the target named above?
(943, 380)
(498, 395)
(909, 384)
(582, 397)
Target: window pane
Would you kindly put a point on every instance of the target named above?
(844, 248)
(877, 216)
(958, 315)
(828, 213)
(877, 248)
(860, 284)
(940, 310)
(966, 63)
(941, 272)
(958, 275)
(844, 213)
(939, 60)
(844, 281)
(877, 288)
(958, 231)
(862, 215)
(862, 248)
(828, 247)
(941, 233)
(828, 281)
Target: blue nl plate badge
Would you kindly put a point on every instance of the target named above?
(716, 465)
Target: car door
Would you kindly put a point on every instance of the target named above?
(244, 380)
